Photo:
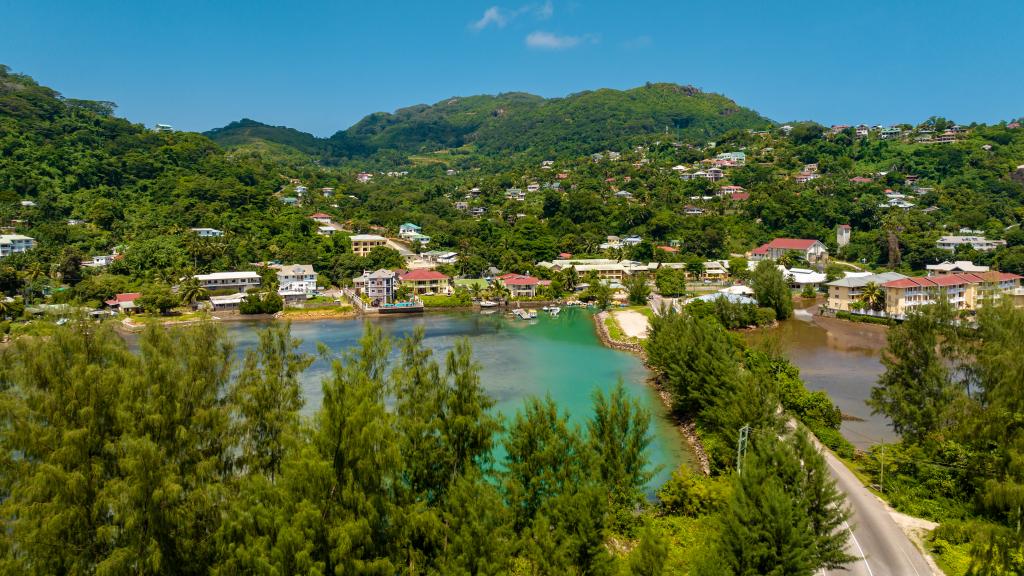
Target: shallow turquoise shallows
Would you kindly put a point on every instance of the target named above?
(557, 356)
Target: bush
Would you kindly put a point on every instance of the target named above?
(687, 494)
(261, 303)
(765, 316)
(844, 315)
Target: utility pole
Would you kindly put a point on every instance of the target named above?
(881, 475)
(741, 448)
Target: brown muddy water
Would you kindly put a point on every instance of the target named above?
(842, 358)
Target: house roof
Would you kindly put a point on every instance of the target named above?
(227, 276)
(861, 180)
(740, 196)
(319, 215)
(861, 281)
(422, 274)
(126, 297)
(952, 280)
(518, 280)
(787, 244)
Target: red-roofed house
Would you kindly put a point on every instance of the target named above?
(520, 285)
(729, 190)
(669, 249)
(861, 180)
(811, 250)
(321, 218)
(124, 302)
(740, 196)
(965, 291)
(424, 281)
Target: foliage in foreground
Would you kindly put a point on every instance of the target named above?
(953, 391)
(175, 460)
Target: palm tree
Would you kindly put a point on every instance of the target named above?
(500, 292)
(191, 291)
(475, 290)
(873, 296)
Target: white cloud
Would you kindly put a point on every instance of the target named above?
(492, 15)
(548, 41)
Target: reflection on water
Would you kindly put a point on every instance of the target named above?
(841, 358)
(560, 357)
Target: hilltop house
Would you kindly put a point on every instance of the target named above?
(813, 251)
(979, 243)
(408, 229)
(15, 243)
(321, 218)
(362, 244)
(208, 232)
(729, 190)
(441, 256)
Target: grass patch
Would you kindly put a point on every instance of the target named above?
(953, 559)
(690, 541)
(470, 282)
(615, 331)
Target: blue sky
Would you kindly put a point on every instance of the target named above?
(319, 66)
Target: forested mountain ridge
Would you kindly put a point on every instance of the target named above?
(517, 122)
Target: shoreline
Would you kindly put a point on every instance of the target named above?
(686, 427)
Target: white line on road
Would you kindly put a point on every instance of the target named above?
(862, 556)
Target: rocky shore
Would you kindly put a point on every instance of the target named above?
(688, 428)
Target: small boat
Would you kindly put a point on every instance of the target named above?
(521, 314)
(531, 314)
(554, 310)
(487, 304)
(545, 308)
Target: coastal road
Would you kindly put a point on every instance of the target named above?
(880, 546)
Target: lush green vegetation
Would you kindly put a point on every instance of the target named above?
(174, 459)
(952, 390)
(780, 513)
(578, 124)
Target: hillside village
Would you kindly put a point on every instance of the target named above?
(427, 263)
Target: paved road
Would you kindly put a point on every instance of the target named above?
(879, 544)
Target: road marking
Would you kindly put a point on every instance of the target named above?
(909, 561)
(862, 556)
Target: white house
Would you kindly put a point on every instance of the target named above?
(15, 243)
(296, 277)
(208, 232)
(229, 280)
(979, 243)
(408, 230)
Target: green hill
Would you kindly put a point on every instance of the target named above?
(516, 122)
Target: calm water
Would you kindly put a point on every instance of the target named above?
(843, 360)
(557, 356)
